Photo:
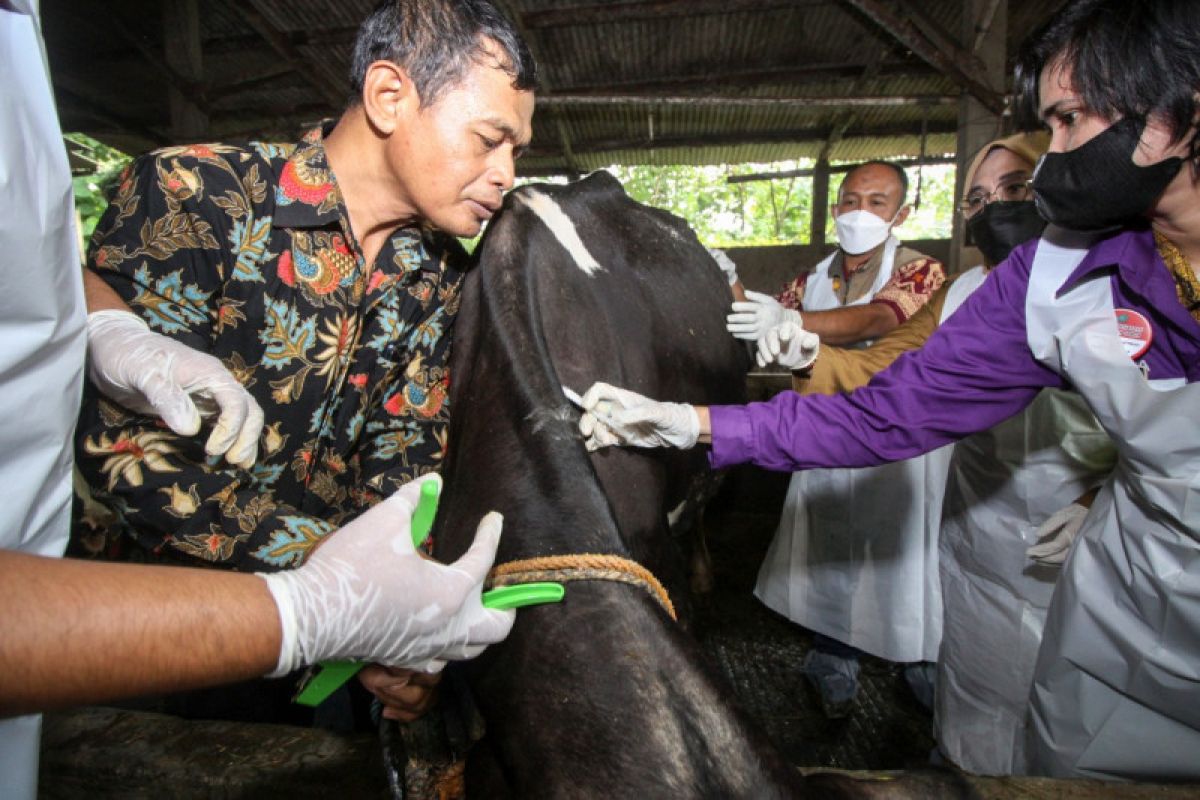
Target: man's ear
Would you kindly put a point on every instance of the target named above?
(387, 96)
(902, 215)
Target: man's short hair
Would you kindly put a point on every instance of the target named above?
(901, 176)
(436, 41)
(1126, 60)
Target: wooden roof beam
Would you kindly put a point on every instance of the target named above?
(249, 79)
(850, 116)
(816, 73)
(221, 45)
(957, 64)
(928, 161)
(805, 136)
(739, 101)
(250, 12)
(117, 24)
(76, 99)
(660, 9)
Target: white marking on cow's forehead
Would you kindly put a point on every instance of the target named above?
(561, 226)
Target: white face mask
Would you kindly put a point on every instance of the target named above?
(860, 231)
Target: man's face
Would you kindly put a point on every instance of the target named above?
(871, 188)
(455, 158)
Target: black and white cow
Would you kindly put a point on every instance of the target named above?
(602, 695)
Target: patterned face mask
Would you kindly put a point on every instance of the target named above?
(1097, 186)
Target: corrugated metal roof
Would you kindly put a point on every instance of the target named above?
(106, 62)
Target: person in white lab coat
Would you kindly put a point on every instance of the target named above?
(855, 556)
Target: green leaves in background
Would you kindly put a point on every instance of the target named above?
(769, 212)
(92, 188)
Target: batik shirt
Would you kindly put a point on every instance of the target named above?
(246, 253)
(915, 277)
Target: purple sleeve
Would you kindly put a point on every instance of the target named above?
(974, 372)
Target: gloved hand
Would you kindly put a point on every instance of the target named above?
(154, 374)
(788, 345)
(759, 313)
(725, 263)
(619, 416)
(1056, 534)
(366, 594)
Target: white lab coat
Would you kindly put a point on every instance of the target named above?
(1116, 690)
(1003, 483)
(855, 554)
(42, 330)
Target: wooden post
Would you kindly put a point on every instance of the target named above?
(820, 203)
(976, 124)
(181, 44)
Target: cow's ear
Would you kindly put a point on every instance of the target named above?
(387, 95)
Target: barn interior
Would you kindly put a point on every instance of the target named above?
(654, 82)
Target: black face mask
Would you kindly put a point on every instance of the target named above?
(1097, 186)
(1003, 225)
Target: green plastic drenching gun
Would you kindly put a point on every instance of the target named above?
(332, 674)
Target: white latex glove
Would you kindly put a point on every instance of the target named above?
(1056, 534)
(366, 594)
(755, 316)
(788, 345)
(154, 374)
(619, 416)
(725, 263)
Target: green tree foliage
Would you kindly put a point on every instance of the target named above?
(771, 212)
(93, 189)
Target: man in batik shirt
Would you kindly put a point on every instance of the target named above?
(325, 276)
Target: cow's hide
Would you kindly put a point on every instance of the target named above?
(602, 695)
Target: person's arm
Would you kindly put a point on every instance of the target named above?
(850, 325)
(81, 632)
(910, 287)
(158, 375)
(843, 370)
(975, 371)
(99, 296)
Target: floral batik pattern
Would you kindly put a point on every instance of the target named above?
(246, 253)
(913, 282)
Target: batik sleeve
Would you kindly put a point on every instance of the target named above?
(176, 231)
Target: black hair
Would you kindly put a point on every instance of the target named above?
(901, 175)
(436, 41)
(1127, 59)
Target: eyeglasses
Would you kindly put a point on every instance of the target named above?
(1011, 190)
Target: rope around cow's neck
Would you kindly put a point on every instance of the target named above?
(581, 567)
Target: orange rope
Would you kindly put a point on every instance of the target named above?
(581, 567)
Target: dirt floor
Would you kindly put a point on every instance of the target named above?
(761, 652)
